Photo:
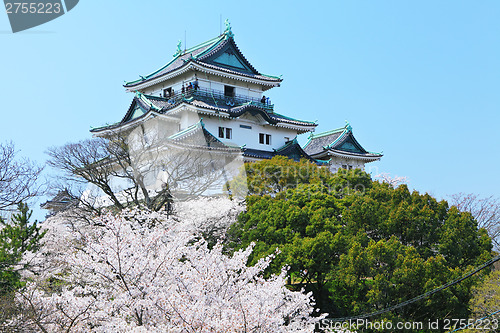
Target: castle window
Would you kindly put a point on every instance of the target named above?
(228, 91)
(225, 133)
(246, 126)
(264, 138)
(167, 92)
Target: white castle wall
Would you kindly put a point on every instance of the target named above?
(338, 162)
(249, 137)
(207, 82)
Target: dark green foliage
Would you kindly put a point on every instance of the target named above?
(16, 238)
(360, 245)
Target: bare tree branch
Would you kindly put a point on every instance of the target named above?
(485, 210)
(19, 178)
(135, 168)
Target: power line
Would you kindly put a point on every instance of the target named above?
(427, 294)
(462, 328)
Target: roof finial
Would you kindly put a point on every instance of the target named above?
(178, 51)
(348, 126)
(228, 31)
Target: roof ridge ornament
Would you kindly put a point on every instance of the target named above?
(178, 51)
(228, 33)
(348, 126)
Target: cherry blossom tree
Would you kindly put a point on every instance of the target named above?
(148, 272)
(392, 180)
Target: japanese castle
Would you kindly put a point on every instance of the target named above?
(211, 90)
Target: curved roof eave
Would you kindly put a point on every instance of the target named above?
(349, 155)
(224, 113)
(118, 127)
(202, 67)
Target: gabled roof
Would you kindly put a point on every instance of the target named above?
(338, 142)
(141, 104)
(140, 107)
(294, 151)
(63, 200)
(220, 53)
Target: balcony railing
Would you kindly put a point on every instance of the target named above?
(218, 98)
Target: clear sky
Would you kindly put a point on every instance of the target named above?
(417, 80)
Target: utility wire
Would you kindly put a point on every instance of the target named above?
(427, 294)
(463, 328)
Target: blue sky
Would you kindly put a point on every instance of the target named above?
(418, 80)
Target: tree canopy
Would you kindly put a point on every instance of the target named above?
(143, 271)
(358, 244)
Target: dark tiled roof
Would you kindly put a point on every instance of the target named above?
(340, 141)
(270, 117)
(204, 54)
(294, 151)
(256, 76)
(63, 200)
(350, 153)
(281, 118)
(160, 102)
(162, 105)
(318, 141)
(291, 149)
(256, 153)
(177, 62)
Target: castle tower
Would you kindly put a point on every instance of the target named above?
(214, 83)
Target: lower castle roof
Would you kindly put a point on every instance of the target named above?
(142, 104)
(338, 142)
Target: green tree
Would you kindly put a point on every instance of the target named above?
(16, 238)
(359, 245)
(486, 299)
(280, 174)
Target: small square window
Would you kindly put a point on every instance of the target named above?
(225, 133)
(228, 91)
(264, 138)
(167, 92)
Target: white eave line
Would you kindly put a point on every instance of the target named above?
(182, 70)
(148, 115)
(354, 157)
